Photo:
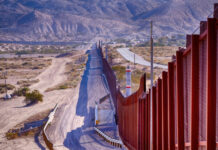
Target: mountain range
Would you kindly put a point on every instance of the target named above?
(79, 20)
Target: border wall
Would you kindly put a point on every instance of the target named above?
(184, 100)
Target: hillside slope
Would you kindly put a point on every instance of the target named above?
(67, 20)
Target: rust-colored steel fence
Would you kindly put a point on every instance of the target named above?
(130, 116)
(184, 100)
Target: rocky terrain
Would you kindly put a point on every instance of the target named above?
(71, 20)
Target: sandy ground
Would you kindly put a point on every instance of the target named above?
(72, 127)
(13, 112)
(65, 113)
(52, 76)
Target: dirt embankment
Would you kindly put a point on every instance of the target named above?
(13, 112)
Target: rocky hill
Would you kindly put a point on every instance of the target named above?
(72, 20)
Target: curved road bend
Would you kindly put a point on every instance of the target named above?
(128, 55)
(72, 127)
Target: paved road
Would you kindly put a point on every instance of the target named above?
(74, 121)
(128, 55)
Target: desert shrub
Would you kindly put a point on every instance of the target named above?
(11, 134)
(41, 65)
(9, 87)
(33, 97)
(120, 72)
(63, 86)
(36, 67)
(26, 83)
(21, 91)
(26, 63)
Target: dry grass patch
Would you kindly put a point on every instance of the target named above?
(24, 63)
(27, 83)
(3, 88)
(162, 54)
(17, 132)
(35, 117)
(23, 67)
(115, 58)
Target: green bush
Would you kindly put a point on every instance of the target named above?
(33, 97)
(11, 135)
(21, 91)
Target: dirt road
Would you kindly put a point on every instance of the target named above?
(13, 112)
(52, 76)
